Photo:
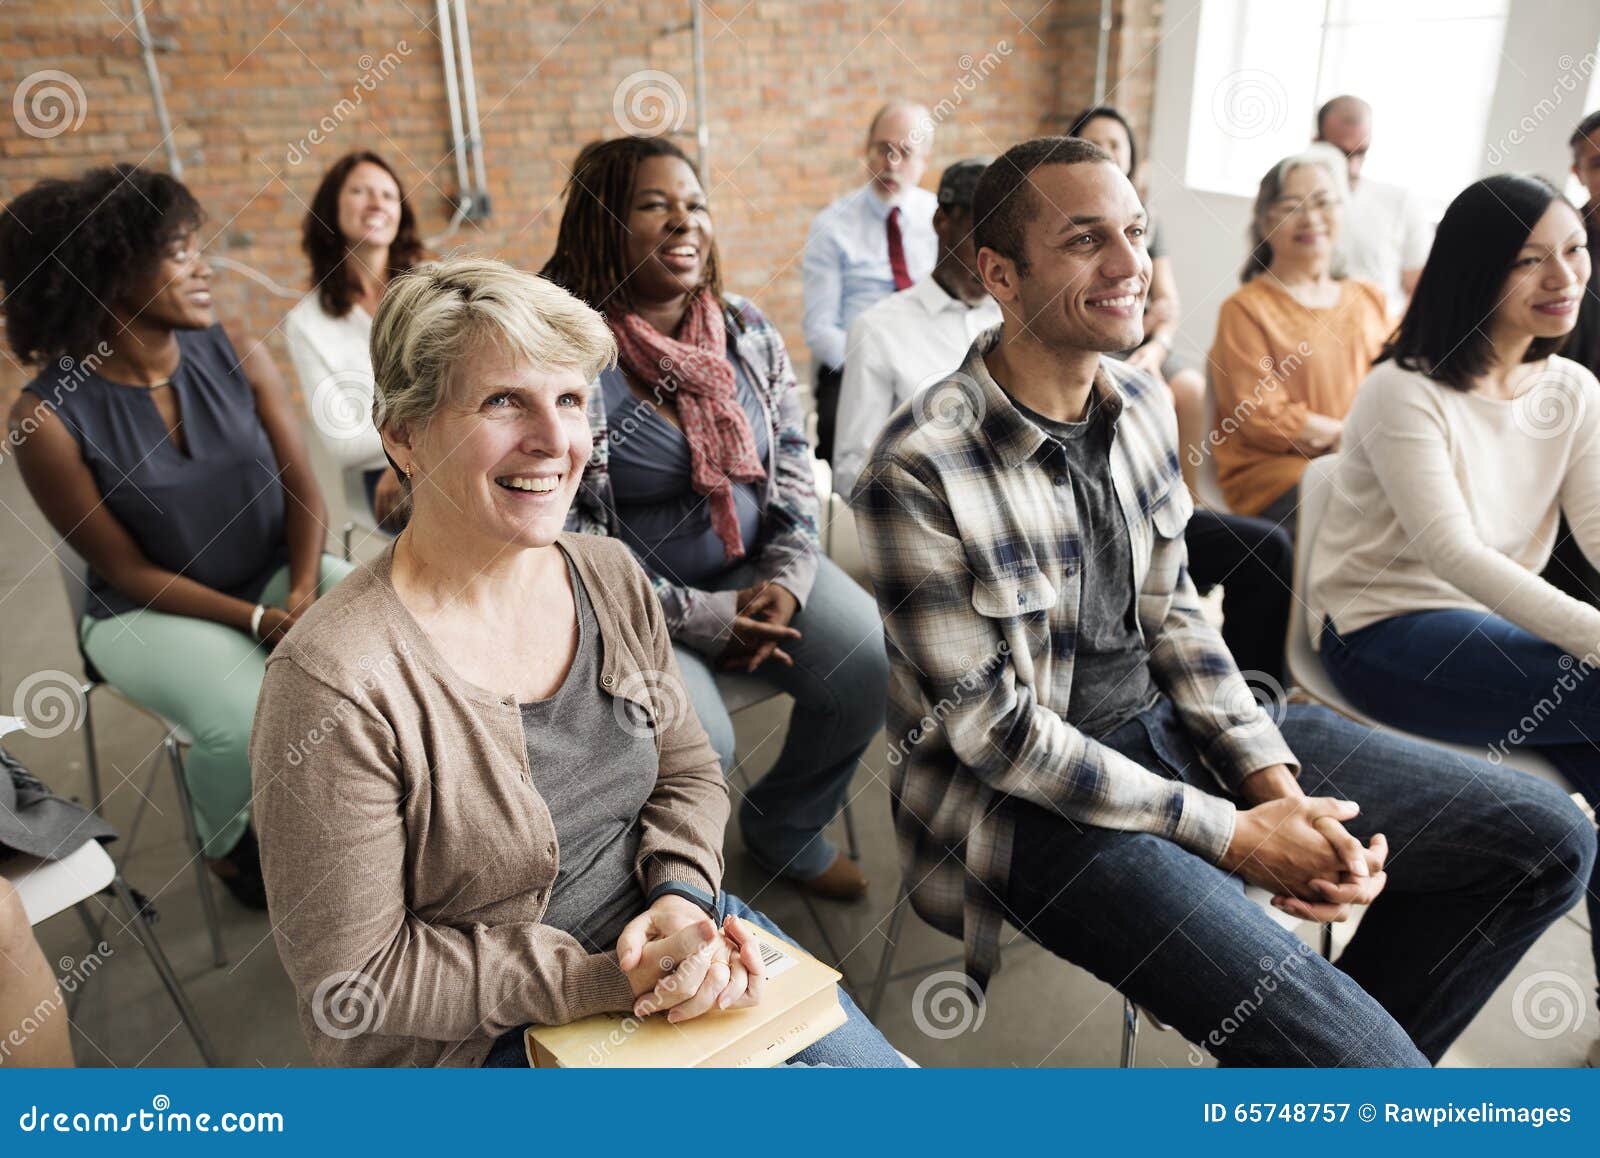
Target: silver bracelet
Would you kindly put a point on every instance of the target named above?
(255, 620)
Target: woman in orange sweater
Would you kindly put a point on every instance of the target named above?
(1293, 342)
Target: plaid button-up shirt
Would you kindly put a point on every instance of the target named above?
(971, 536)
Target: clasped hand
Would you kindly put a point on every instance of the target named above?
(677, 960)
(1298, 847)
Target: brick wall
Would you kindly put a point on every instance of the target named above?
(790, 84)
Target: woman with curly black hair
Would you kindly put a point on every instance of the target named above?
(702, 467)
(358, 233)
(172, 464)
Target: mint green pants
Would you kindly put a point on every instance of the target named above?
(205, 677)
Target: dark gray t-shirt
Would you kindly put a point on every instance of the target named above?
(1110, 669)
(595, 766)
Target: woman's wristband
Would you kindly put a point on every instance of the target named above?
(711, 905)
(255, 620)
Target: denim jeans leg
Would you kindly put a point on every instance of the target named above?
(856, 1044)
(1482, 860)
(840, 682)
(1178, 936)
(1470, 677)
(701, 684)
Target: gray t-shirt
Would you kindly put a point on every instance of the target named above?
(595, 766)
(1110, 669)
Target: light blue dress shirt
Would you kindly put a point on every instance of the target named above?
(847, 262)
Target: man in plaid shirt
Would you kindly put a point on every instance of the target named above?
(1075, 750)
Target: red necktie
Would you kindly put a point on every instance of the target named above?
(897, 252)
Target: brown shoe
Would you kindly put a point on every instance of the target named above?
(840, 881)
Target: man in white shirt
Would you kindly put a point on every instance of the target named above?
(1386, 232)
(866, 245)
(916, 336)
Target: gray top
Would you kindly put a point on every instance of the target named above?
(1110, 671)
(35, 821)
(659, 513)
(213, 511)
(595, 765)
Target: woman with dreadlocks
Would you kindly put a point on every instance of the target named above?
(172, 464)
(702, 467)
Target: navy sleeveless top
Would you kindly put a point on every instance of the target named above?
(215, 512)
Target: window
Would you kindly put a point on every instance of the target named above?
(1263, 67)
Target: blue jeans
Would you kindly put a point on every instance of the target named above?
(1482, 860)
(1469, 677)
(840, 685)
(856, 1044)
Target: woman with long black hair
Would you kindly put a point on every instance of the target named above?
(1466, 444)
(358, 233)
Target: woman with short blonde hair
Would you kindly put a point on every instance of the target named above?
(483, 800)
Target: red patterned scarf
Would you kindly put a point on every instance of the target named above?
(692, 370)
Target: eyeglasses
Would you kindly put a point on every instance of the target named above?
(1316, 203)
(891, 150)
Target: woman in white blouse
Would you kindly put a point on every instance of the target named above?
(1466, 444)
(358, 233)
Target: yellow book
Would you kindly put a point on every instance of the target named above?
(799, 1004)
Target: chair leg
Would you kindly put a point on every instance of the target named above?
(90, 754)
(897, 922)
(140, 925)
(202, 875)
(346, 535)
(852, 845)
(1130, 1034)
(1327, 941)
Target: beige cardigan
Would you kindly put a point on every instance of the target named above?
(1444, 499)
(408, 857)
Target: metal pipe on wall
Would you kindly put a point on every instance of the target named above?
(163, 122)
(1102, 53)
(452, 94)
(702, 131)
(469, 89)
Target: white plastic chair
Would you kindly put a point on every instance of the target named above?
(1305, 665)
(75, 574)
(49, 887)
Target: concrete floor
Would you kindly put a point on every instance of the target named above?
(1039, 1011)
